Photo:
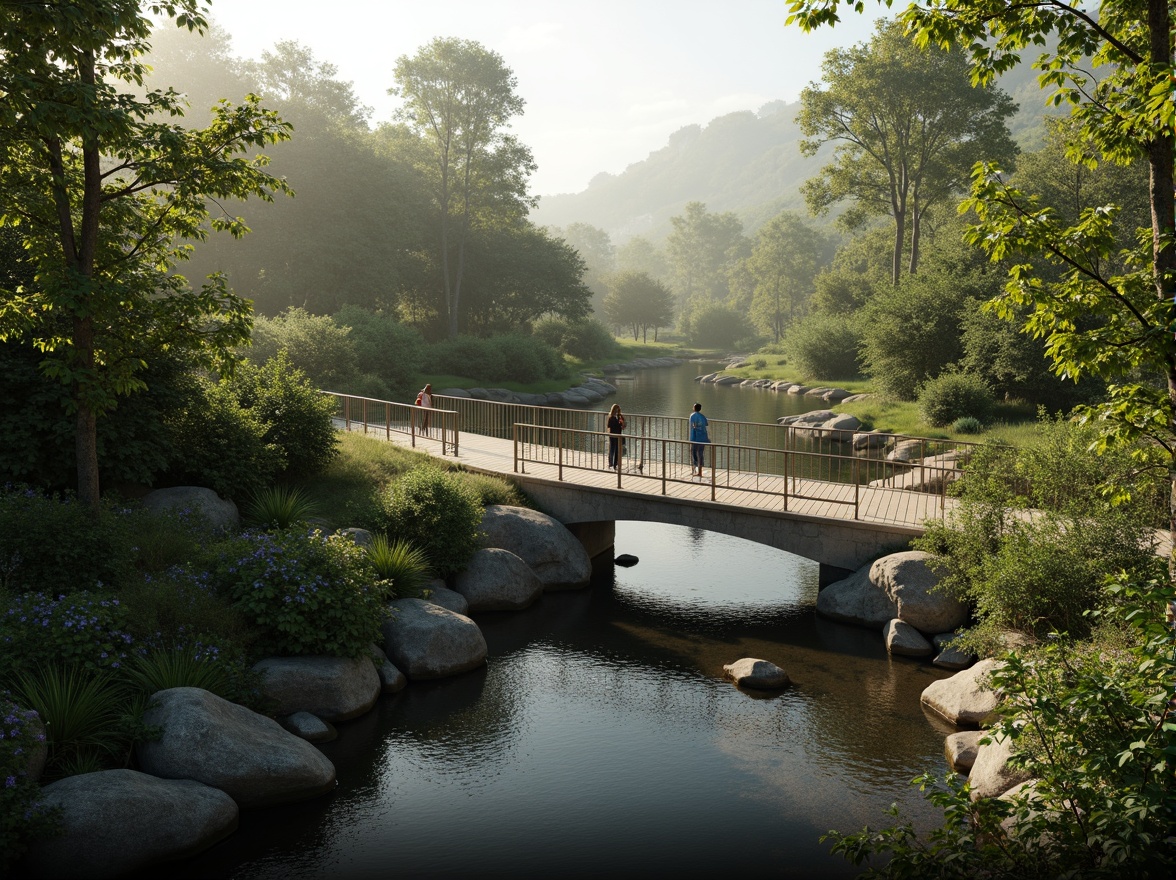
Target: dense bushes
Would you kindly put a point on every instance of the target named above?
(83, 629)
(308, 593)
(713, 324)
(823, 346)
(22, 817)
(584, 340)
(951, 396)
(437, 512)
(509, 358)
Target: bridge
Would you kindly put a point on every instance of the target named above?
(803, 490)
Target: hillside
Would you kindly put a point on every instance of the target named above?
(746, 162)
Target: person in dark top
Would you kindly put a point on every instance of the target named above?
(616, 424)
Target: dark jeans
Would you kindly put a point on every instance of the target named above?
(698, 454)
(614, 450)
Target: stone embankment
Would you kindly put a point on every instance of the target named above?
(213, 758)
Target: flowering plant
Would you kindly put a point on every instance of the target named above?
(21, 816)
(81, 629)
(309, 593)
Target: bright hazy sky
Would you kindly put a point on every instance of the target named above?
(605, 81)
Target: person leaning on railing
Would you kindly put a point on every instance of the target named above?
(616, 424)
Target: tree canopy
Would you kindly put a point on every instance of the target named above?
(908, 124)
(105, 191)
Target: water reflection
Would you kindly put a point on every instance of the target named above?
(602, 738)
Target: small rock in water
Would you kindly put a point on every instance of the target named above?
(309, 726)
(626, 559)
(760, 674)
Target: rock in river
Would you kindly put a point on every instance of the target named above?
(427, 641)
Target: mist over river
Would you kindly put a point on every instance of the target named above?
(601, 739)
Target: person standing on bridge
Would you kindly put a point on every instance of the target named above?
(616, 424)
(698, 437)
(425, 400)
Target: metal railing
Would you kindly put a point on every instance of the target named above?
(783, 473)
(427, 423)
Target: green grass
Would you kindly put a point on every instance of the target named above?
(1012, 423)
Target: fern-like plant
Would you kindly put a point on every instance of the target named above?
(280, 507)
(401, 562)
(162, 670)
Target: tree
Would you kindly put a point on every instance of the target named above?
(637, 301)
(639, 254)
(104, 192)
(702, 249)
(458, 99)
(599, 256)
(785, 257)
(909, 126)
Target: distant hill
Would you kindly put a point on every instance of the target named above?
(746, 162)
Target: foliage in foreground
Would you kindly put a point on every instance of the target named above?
(22, 818)
(1094, 727)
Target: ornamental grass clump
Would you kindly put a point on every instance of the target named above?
(22, 817)
(280, 507)
(401, 563)
(306, 592)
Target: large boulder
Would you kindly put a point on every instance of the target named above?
(908, 580)
(117, 821)
(965, 699)
(333, 688)
(992, 775)
(246, 755)
(856, 600)
(541, 541)
(759, 674)
(427, 641)
(220, 513)
(392, 680)
(498, 580)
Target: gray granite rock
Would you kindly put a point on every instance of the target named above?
(333, 688)
(309, 727)
(908, 580)
(541, 541)
(118, 821)
(220, 513)
(965, 699)
(440, 594)
(427, 641)
(361, 537)
(960, 749)
(498, 580)
(992, 775)
(759, 674)
(392, 680)
(246, 755)
(856, 600)
(903, 639)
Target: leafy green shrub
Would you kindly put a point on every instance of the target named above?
(221, 445)
(824, 346)
(950, 396)
(437, 512)
(489, 490)
(166, 538)
(307, 593)
(316, 345)
(22, 817)
(280, 507)
(82, 629)
(475, 357)
(527, 359)
(587, 340)
(1090, 728)
(52, 543)
(87, 714)
(967, 425)
(296, 417)
(712, 324)
(760, 363)
(401, 563)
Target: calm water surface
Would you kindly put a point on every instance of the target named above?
(601, 737)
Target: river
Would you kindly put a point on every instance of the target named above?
(600, 738)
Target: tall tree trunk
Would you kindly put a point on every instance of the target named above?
(899, 236)
(1160, 193)
(916, 228)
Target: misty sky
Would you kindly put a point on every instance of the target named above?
(605, 81)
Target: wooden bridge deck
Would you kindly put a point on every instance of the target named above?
(823, 499)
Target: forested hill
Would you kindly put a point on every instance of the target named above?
(747, 162)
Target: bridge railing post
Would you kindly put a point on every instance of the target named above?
(787, 469)
(560, 443)
(857, 488)
(714, 454)
(664, 445)
(412, 427)
(515, 438)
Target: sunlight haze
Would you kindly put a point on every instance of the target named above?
(605, 82)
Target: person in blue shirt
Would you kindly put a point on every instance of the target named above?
(698, 436)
